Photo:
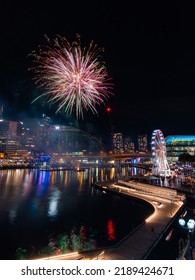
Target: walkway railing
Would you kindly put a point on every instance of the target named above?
(154, 190)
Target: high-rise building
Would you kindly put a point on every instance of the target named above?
(117, 142)
(10, 135)
(42, 131)
(129, 146)
(142, 143)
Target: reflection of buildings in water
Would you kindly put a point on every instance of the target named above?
(102, 174)
(110, 230)
(28, 182)
(53, 203)
(12, 215)
(89, 176)
(18, 183)
(46, 195)
(112, 173)
(43, 182)
(124, 171)
(96, 173)
(65, 178)
(134, 171)
(52, 177)
(15, 179)
(80, 179)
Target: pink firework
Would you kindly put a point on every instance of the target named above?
(75, 78)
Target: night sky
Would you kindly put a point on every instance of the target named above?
(149, 54)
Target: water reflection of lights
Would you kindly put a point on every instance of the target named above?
(90, 182)
(112, 173)
(110, 230)
(52, 177)
(12, 215)
(96, 172)
(65, 178)
(80, 178)
(102, 174)
(134, 171)
(14, 176)
(53, 203)
(124, 171)
(43, 182)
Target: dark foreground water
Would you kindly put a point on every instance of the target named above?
(40, 210)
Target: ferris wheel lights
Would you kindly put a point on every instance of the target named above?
(160, 164)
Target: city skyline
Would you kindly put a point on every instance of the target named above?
(30, 134)
(148, 54)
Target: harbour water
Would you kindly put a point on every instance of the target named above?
(37, 208)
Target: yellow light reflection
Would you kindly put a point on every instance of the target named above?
(65, 178)
(102, 174)
(80, 180)
(112, 173)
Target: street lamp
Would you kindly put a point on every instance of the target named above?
(189, 225)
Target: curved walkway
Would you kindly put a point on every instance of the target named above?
(139, 243)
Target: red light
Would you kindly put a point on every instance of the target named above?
(110, 230)
(108, 109)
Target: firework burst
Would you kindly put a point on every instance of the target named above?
(75, 78)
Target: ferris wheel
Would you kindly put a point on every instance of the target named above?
(159, 157)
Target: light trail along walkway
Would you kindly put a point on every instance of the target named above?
(167, 204)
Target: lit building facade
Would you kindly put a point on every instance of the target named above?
(28, 139)
(42, 130)
(142, 143)
(117, 143)
(129, 146)
(179, 144)
(10, 135)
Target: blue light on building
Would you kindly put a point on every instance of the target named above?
(179, 144)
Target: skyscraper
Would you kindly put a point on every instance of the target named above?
(142, 143)
(129, 146)
(10, 132)
(117, 142)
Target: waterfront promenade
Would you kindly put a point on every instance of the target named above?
(167, 204)
(142, 240)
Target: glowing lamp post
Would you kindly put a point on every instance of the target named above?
(182, 222)
(190, 225)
